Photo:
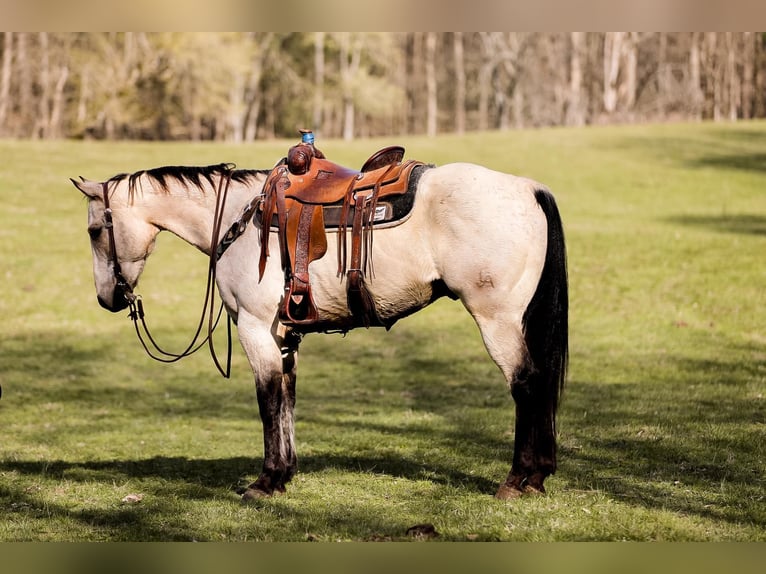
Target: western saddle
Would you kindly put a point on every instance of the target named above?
(304, 195)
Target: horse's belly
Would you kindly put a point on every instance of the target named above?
(400, 277)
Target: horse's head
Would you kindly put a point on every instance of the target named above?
(119, 252)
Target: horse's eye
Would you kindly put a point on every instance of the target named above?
(94, 232)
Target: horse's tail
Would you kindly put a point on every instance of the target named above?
(546, 320)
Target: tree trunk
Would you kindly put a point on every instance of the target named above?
(42, 122)
(409, 84)
(748, 75)
(630, 84)
(518, 108)
(253, 104)
(459, 56)
(318, 81)
(575, 114)
(5, 81)
(26, 115)
(612, 52)
(732, 76)
(431, 95)
(759, 59)
(663, 75)
(695, 78)
(350, 56)
(57, 105)
(234, 130)
(486, 71)
(84, 96)
(715, 74)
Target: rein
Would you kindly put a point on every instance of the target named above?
(136, 306)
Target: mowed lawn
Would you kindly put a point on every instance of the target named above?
(662, 424)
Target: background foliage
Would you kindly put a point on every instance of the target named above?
(260, 85)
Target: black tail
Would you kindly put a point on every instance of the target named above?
(546, 320)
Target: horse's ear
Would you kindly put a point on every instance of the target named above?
(91, 189)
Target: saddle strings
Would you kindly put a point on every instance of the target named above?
(137, 308)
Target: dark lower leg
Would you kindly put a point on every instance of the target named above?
(276, 402)
(534, 456)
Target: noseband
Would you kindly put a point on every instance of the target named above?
(136, 305)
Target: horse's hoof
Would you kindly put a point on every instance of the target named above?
(506, 492)
(252, 494)
(532, 491)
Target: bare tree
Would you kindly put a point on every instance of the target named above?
(695, 77)
(350, 57)
(5, 80)
(318, 80)
(57, 103)
(630, 85)
(499, 75)
(575, 114)
(748, 74)
(25, 100)
(663, 74)
(485, 79)
(261, 48)
(243, 86)
(731, 78)
(431, 94)
(460, 80)
(612, 57)
(759, 57)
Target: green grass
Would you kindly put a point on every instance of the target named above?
(662, 426)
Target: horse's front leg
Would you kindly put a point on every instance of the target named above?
(274, 362)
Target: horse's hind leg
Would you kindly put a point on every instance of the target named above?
(534, 454)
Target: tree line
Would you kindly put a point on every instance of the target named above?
(258, 85)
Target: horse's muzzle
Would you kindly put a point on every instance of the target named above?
(120, 300)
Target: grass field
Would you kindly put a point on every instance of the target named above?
(662, 426)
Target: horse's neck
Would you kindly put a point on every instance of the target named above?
(189, 213)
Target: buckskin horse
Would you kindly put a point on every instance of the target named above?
(492, 240)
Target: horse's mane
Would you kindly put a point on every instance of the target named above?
(188, 175)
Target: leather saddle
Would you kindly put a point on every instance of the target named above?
(304, 195)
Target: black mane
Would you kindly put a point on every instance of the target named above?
(186, 175)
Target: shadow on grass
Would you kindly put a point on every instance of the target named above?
(74, 370)
(734, 148)
(643, 443)
(745, 224)
(755, 162)
(165, 480)
(687, 447)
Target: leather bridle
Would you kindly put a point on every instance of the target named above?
(136, 305)
(122, 283)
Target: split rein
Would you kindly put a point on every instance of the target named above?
(136, 306)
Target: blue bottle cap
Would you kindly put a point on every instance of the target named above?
(307, 136)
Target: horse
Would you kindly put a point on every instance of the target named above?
(494, 241)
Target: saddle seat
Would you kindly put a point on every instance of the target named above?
(326, 182)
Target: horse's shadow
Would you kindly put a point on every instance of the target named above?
(217, 480)
(210, 477)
